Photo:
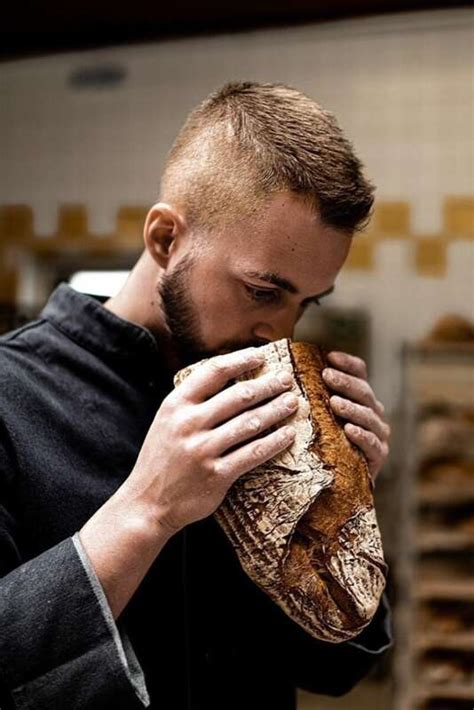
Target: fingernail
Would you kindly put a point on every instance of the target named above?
(290, 401)
(285, 378)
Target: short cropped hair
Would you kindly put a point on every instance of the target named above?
(248, 140)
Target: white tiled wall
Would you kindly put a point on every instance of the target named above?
(401, 85)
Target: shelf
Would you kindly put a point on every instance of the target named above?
(433, 540)
(445, 494)
(455, 590)
(460, 641)
(447, 378)
(452, 691)
(434, 554)
(437, 349)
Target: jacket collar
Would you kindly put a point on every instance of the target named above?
(86, 321)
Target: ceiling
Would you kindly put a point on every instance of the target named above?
(29, 29)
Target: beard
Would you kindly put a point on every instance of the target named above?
(182, 319)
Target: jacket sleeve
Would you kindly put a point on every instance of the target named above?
(335, 668)
(59, 644)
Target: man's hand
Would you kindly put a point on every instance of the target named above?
(201, 440)
(366, 425)
(189, 458)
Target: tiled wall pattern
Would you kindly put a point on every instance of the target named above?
(402, 87)
(428, 255)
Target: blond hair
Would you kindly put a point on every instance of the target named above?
(249, 140)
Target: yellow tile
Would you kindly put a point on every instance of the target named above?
(430, 256)
(130, 222)
(458, 213)
(392, 219)
(361, 254)
(72, 222)
(16, 223)
(8, 285)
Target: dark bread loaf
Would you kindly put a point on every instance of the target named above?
(303, 524)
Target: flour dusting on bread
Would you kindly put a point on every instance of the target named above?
(303, 524)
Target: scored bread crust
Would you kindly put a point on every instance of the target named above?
(303, 524)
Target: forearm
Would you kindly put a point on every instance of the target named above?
(122, 539)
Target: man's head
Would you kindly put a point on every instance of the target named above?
(247, 141)
(259, 184)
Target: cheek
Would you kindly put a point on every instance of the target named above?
(223, 314)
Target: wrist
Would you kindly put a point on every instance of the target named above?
(147, 519)
(122, 540)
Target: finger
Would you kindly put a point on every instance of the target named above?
(379, 407)
(255, 453)
(352, 364)
(215, 373)
(252, 423)
(353, 387)
(243, 395)
(374, 450)
(361, 415)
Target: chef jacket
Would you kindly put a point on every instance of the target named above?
(79, 388)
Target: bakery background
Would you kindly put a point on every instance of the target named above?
(83, 135)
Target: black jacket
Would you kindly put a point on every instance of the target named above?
(79, 389)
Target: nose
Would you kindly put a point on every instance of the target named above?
(274, 329)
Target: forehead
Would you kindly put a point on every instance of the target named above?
(287, 237)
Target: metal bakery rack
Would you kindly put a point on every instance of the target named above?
(434, 616)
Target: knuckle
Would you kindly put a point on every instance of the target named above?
(193, 447)
(217, 365)
(253, 424)
(185, 422)
(274, 384)
(283, 436)
(246, 393)
(347, 407)
(365, 393)
(220, 468)
(210, 466)
(369, 437)
(371, 417)
(188, 447)
(376, 443)
(234, 435)
(258, 451)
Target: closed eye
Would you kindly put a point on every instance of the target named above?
(263, 295)
(271, 295)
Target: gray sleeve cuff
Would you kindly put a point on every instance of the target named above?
(57, 647)
(125, 650)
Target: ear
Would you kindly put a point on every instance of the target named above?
(163, 232)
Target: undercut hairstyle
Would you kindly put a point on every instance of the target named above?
(247, 141)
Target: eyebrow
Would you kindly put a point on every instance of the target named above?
(283, 283)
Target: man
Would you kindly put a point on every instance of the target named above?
(118, 589)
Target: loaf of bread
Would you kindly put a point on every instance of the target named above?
(303, 524)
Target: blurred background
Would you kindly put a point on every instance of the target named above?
(91, 98)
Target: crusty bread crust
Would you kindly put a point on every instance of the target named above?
(303, 524)
(318, 533)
